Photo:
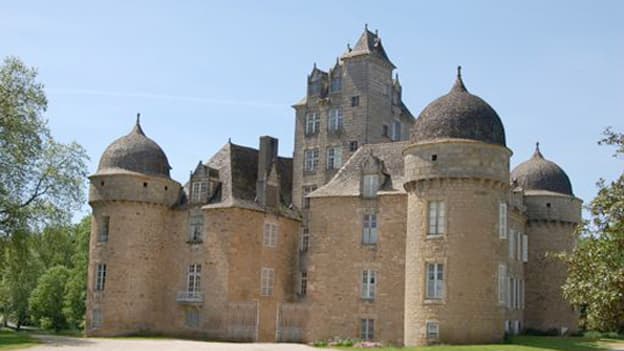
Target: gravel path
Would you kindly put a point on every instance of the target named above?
(56, 343)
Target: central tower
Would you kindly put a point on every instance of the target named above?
(457, 180)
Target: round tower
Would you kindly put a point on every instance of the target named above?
(130, 195)
(553, 213)
(457, 180)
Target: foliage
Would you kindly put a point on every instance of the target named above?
(46, 301)
(41, 180)
(11, 340)
(595, 280)
(76, 288)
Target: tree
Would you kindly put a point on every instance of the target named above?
(41, 180)
(76, 288)
(46, 301)
(595, 280)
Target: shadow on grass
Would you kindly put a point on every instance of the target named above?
(560, 343)
(10, 339)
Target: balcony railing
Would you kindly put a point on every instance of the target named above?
(190, 297)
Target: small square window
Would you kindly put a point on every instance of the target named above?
(355, 101)
(433, 330)
(353, 145)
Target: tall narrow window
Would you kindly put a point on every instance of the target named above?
(306, 190)
(312, 123)
(369, 284)
(355, 101)
(370, 185)
(311, 157)
(100, 277)
(367, 329)
(502, 281)
(335, 120)
(305, 239)
(369, 229)
(270, 235)
(334, 157)
(199, 192)
(195, 228)
(192, 318)
(518, 246)
(433, 331)
(303, 283)
(104, 229)
(396, 130)
(267, 275)
(437, 218)
(525, 248)
(96, 318)
(194, 280)
(336, 84)
(511, 242)
(502, 220)
(435, 280)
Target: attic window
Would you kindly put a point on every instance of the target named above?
(370, 185)
(434, 157)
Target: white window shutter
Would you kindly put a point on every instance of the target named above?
(525, 248)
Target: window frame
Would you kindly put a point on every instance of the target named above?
(312, 123)
(304, 244)
(367, 329)
(335, 84)
(192, 318)
(429, 335)
(369, 284)
(303, 283)
(370, 185)
(104, 229)
(310, 160)
(355, 101)
(193, 279)
(267, 279)
(438, 286)
(97, 318)
(270, 234)
(502, 220)
(335, 119)
(334, 157)
(370, 229)
(437, 228)
(396, 130)
(100, 277)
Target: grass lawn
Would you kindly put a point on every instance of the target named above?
(11, 340)
(520, 343)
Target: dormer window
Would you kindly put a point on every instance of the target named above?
(396, 130)
(315, 87)
(370, 185)
(336, 85)
(199, 192)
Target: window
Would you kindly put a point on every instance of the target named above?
(311, 157)
(502, 220)
(303, 283)
(396, 130)
(433, 330)
(384, 131)
(508, 292)
(192, 318)
(367, 329)
(335, 120)
(100, 277)
(336, 84)
(369, 284)
(306, 190)
(355, 101)
(270, 235)
(437, 218)
(194, 279)
(267, 276)
(353, 145)
(196, 228)
(199, 192)
(334, 157)
(502, 282)
(435, 280)
(96, 318)
(516, 327)
(512, 249)
(371, 185)
(369, 229)
(518, 246)
(522, 293)
(513, 298)
(104, 228)
(315, 87)
(525, 248)
(312, 123)
(507, 326)
(305, 239)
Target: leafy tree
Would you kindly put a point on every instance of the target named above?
(76, 289)
(19, 276)
(41, 180)
(54, 246)
(46, 301)
(596, 267)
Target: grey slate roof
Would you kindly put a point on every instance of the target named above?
(347, 181)
(538, 173)
(369, 43)
(134, 152)
(461, 115)
(238, 173)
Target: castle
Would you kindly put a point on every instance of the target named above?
(382, 226)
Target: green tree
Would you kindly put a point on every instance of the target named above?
(46, 301)
(76, 289)
(41, 180)
(595, 280)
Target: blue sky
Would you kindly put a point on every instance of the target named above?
(201, 72)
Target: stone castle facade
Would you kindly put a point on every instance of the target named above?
(382, 226)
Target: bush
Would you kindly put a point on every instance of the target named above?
(46, 301)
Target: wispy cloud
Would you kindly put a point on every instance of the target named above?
(146, 95)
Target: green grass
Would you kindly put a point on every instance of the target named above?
(11, 340)
(519, 343)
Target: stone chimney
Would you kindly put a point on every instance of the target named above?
(267, 185)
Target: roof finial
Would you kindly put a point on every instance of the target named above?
(376, 32)
(137, 127)
(365, 26)
(459, 83)
(138, 121)
(348, 47)
(459, 72)
(537, 152)
(314, 65)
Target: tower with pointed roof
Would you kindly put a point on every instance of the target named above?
(355, 102)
